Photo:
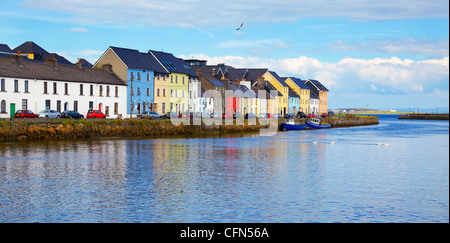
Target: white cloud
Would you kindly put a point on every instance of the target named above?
(253, 44)
(183, 13)
(385, 75)
(395, 46)
(79, 29)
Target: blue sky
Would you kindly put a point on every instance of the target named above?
(370, 54)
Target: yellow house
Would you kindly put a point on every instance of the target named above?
(176, 85)
(282, 87)
(302, 90)
(162, 93)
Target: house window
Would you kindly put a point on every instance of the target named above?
(16, 85)
(75, 105)
(92, 90)
(163, 107)
(148, 76)
(139, 91)
(171, 94)
(148, 91)
(176, 79)
(171, 79)
(81, 89)
(157, 92)
(2, 85)
(24, 104)
(101, 90)
(45, 88)
(138, 76)
(107, 91)
(47, 104)
(26, 86)
(164, 92)
(66, 88)
(116, 108)
(91, 105)
(3, 106)
(183, 80)
(55, 88)
(117, 91)
(58, 105)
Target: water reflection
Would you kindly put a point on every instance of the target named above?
(285, 178)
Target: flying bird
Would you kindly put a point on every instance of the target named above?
(240, 27)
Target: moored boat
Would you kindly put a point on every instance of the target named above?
(290, 125)
(317, 124)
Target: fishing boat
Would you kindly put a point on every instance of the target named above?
(290, 125)
(317, 124)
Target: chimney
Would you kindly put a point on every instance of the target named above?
(52, 61)
(79, 65)
(260, 82)
(108, 67)
(237, 82)
(212, 71)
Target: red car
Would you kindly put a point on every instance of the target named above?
(95, 114)
(228, 115)
(25, 114)
(311, 116)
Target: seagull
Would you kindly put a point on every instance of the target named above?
(386, 144)
(380, 143)
(240, 27)
(315, 142)
(333, 142)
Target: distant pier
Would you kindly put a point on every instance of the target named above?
(425, 116)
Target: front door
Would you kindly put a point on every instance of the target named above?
(12, 110)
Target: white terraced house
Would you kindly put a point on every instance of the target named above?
(31, 85)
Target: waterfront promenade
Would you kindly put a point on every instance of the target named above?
(49, 129)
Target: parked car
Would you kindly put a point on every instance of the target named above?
(95, 114)
(325, 115)
(71, 114)
(301, 114)
(25, 114)
(331, 113)
(311, 116)
(49, 114)
(250, 115)
(227, 115)
(151, 115)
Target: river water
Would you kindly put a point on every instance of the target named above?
(334, 175)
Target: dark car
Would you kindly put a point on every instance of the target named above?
(325, 115)
(71, 114)
(25, 114)
(301, 114)
(250, 115)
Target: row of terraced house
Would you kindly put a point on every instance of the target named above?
(127, 81)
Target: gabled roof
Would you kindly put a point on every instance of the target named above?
(278, 78)
(173, 64)
(5, 48)
(44, 71)
(293, 94)
(300, 83)
(136, 60)
(317, 84)
(30, 47)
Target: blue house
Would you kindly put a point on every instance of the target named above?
(294, 103)
(138, 70)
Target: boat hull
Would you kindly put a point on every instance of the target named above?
(293, 127)
(317, 126)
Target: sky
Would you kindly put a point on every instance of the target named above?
(369, 53)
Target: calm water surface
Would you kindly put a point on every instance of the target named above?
(284, 178)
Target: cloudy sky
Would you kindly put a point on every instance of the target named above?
(369, 53)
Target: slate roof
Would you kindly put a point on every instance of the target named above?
(137, 60)
(30, 47)
(275, 75)
(315, 87)
(319, 85)
(299, 83)
(5, 48)
(293, 94)
(44, 71)
(172, 63)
